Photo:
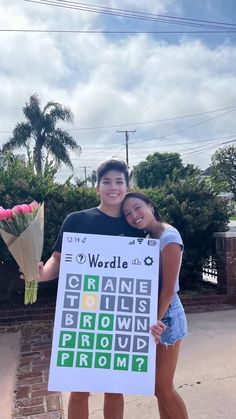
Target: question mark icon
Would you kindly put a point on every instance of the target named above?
(140, 361)
(81, 258)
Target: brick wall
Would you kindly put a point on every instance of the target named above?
(31, 397)
(226, 261)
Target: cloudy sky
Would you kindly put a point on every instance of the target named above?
(174, 86)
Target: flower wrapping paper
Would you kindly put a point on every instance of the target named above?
(27, 250)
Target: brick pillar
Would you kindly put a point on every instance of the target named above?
(226, 262)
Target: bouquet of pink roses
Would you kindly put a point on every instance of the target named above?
(22, 230)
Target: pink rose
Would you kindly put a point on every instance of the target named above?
(34, 205)
(17, 209)
(25, 209)
(5, 214)
(8, 213)
(2, 214)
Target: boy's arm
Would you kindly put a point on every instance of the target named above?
(50, 270)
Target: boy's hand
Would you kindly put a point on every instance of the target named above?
(41, 267)
(157, 330)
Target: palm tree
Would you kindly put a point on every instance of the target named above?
(41, 128)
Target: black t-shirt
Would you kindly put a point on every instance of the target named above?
(94, 221)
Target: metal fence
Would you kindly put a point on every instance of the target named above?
(209, 269)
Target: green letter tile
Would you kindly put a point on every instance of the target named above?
(105, 321)
(102, 360)
(121, 362)
(91, 283)
(84, 359)
(67, 339)
(104, 341)
(87, 321)
(65, 358)
(86, 340)
(139, 363)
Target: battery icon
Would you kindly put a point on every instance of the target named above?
(152, 242)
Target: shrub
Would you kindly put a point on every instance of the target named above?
(197, 213)
(19, 184)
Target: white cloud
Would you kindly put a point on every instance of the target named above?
(115, 80)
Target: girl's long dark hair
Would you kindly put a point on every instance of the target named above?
(143, 198)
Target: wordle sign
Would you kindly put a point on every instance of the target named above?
(107, 300)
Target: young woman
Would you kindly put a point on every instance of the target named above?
(140, 213)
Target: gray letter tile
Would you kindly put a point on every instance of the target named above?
(107, 302)
(71, 299)
(143, 287)
(109, 284)
(125, 304)
(140, 344)
(122, 343)
(142, 324)
(142, 305)
(69, 319)
(126, 286)
(124, 323)
(73, 282)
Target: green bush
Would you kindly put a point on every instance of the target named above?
(19, 184)
(197, 213)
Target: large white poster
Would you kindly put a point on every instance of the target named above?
(106, 302)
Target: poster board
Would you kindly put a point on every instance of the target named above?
(106, 303)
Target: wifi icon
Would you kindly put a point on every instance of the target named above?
(140, 240)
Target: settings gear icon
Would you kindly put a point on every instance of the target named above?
(148, 261)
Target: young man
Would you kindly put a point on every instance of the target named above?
(106, 219)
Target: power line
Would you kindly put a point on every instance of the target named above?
(189, 127)
(200, 150)
(190, 150)
(186, 78)
(151, 122)
(135, 14)
(107, 32)
(167, 119)
(225, 74)
(200, 141)
(197, 150)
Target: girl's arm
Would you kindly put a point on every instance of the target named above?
(170, 262)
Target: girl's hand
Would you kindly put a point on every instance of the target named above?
(157, 330)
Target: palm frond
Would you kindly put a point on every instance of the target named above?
(33, 112)
(58, 112)
(67, 140)
(59, 152)
(21, 134)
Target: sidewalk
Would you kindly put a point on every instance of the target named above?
(206, 375)
(9, 354)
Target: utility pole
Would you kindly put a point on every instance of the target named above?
(85, 174)
(126, 143)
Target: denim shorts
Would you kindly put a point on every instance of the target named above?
(175, 321)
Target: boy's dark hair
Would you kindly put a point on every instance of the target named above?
(143, 198)
(112, 164)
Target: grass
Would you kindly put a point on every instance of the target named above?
(233, 217)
